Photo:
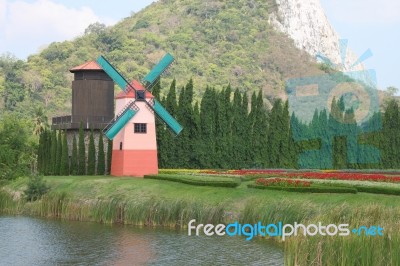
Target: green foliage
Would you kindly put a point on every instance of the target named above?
(91, 169)
(197, 180)
(140, 24)
(37, 187)
(101, 157)
(17, 149)
(81, 152)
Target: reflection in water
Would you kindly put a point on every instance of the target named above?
(30, 241)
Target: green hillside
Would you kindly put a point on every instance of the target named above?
(214, 42)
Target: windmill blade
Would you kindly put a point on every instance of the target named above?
(114, 74)
(120, 120)
(151, 78)
(166, 117)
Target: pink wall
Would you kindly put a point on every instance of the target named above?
(136, 141)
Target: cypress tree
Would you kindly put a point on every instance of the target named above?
(64, 168)
(160, 132)
(208, 107)
(196, 138)
(81, 152)
(168, 152)
(101, 167)
(40, 153)
(237, 153)
(184, 114)
(91, 170)
(109, 155)
(391, 136)
(74, 157)
(48, 153)
(57, 168)
(53, 158)
(223, 129)
(245, 132)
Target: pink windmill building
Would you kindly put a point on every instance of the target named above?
(133, 129)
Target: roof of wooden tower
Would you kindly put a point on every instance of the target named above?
(88, 66)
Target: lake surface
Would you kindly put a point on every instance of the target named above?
(33, 241)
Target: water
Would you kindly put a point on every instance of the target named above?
(32, 241)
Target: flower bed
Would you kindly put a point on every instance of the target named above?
(328, 175)
(282, 182)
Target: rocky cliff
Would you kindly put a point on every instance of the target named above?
(306, 23)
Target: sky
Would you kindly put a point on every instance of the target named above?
(26, 26)
(370, 24)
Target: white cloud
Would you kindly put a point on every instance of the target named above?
(24, 26)
(364, 11)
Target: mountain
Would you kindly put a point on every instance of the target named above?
(251, 45)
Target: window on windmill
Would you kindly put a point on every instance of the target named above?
(140, 128)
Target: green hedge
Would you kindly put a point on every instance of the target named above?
(312, 189)
(197, 180)
(367, 189)
(377, 190)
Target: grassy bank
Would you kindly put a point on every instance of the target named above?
(159, 202)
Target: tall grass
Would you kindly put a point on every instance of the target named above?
(148, 212)
(337, 250)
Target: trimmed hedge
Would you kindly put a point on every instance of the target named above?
(378, 190)
(312, 189)
(197, 180)
(368, 189)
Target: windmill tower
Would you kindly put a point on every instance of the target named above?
(133, 129)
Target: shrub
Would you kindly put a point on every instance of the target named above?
(197, 180)
(37, 187)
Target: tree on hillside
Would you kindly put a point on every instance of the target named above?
(15, 147)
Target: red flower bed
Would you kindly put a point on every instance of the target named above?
(354, 176)
(345, 176)
(282, 182)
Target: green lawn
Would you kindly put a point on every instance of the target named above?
(128, 188)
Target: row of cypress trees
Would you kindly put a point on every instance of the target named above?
(54, 158)
(227, 130)
(224, 131)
